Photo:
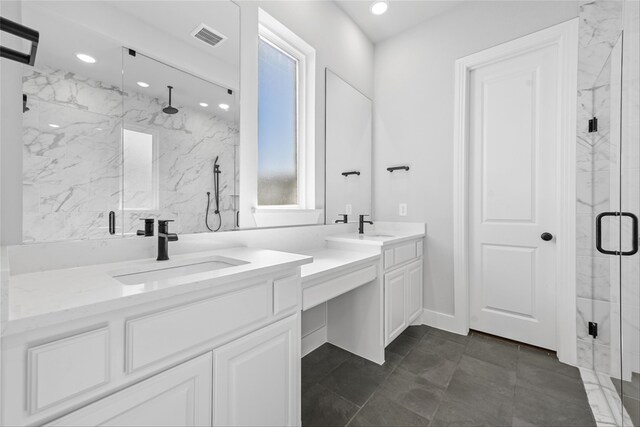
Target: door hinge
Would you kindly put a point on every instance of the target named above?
(593, 125)
(593, 329)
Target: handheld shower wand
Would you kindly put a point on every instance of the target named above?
(216, 197)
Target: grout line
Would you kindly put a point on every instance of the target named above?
(446, 388)
(376, 389)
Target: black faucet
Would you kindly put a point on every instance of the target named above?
(148, 227)
(343, 220)
(361, 224)
(164, 237)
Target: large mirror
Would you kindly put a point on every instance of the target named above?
(132, 112)
(105, 142)
(348, 169)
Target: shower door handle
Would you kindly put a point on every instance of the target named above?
(634, 233)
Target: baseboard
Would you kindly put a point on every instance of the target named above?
(313, 340)
(447, 322)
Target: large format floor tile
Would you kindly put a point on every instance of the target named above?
(433, 377)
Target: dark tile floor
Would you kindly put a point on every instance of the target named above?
(432, 377)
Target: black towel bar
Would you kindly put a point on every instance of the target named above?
(23, 32)
(397, 168)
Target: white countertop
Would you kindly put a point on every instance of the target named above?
(329, 261)
(382, 233)
(40, 298)
(374, 239)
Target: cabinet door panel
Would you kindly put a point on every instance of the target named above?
(180, 396)
(258, 376)
(394, 301)
(414, 290)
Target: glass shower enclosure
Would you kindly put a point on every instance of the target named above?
(608, 302)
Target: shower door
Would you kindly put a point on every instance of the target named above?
(629, 167)
(609, 310)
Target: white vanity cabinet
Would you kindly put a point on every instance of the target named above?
(402, 286)
(224, 355)
(256, 381)
(180, 396)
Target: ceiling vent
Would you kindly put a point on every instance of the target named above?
(208, 35)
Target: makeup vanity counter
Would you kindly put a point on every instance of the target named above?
(212, 340)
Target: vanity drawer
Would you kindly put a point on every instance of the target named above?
(65, 368)
(402, 253)
(285, 294)
(157, 336)
(322, 292)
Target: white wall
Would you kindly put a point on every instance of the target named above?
(413, 103)
(340, 45)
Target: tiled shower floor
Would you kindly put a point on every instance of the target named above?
(432, 377)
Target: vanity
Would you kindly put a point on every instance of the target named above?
(216, 344)
(210, 337)
(401, 248)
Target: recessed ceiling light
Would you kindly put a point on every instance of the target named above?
(53, 125)
(86, 58)
(143, 84)
(379, 7)
(204, 104)
(98, 129)
(225, 107)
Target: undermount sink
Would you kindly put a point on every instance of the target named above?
(173, 271)
(379, 235)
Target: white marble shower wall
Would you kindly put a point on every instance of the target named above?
(188, 143)
(72, 171)
(71, 155)
(597, 295)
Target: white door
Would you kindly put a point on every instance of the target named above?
(180, 396)
(513, 139)
(394, 304)
(258, 377)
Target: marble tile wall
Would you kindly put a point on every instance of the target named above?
(72, 173)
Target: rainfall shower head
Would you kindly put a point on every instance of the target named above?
(170, 109)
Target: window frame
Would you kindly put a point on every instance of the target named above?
(281, 38)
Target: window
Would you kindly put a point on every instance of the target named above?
(277, 126)
(286, 123)
(140, 171)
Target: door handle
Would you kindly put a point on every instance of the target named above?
(634, 233)
(112, 222)
(546, 236)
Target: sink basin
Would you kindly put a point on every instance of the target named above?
(379, 235)
(171, 272)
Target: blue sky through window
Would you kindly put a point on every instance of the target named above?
(277, 126)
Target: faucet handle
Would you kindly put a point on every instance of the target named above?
(148, 227)
(163, 225)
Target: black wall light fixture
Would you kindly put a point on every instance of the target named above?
(19, 30)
